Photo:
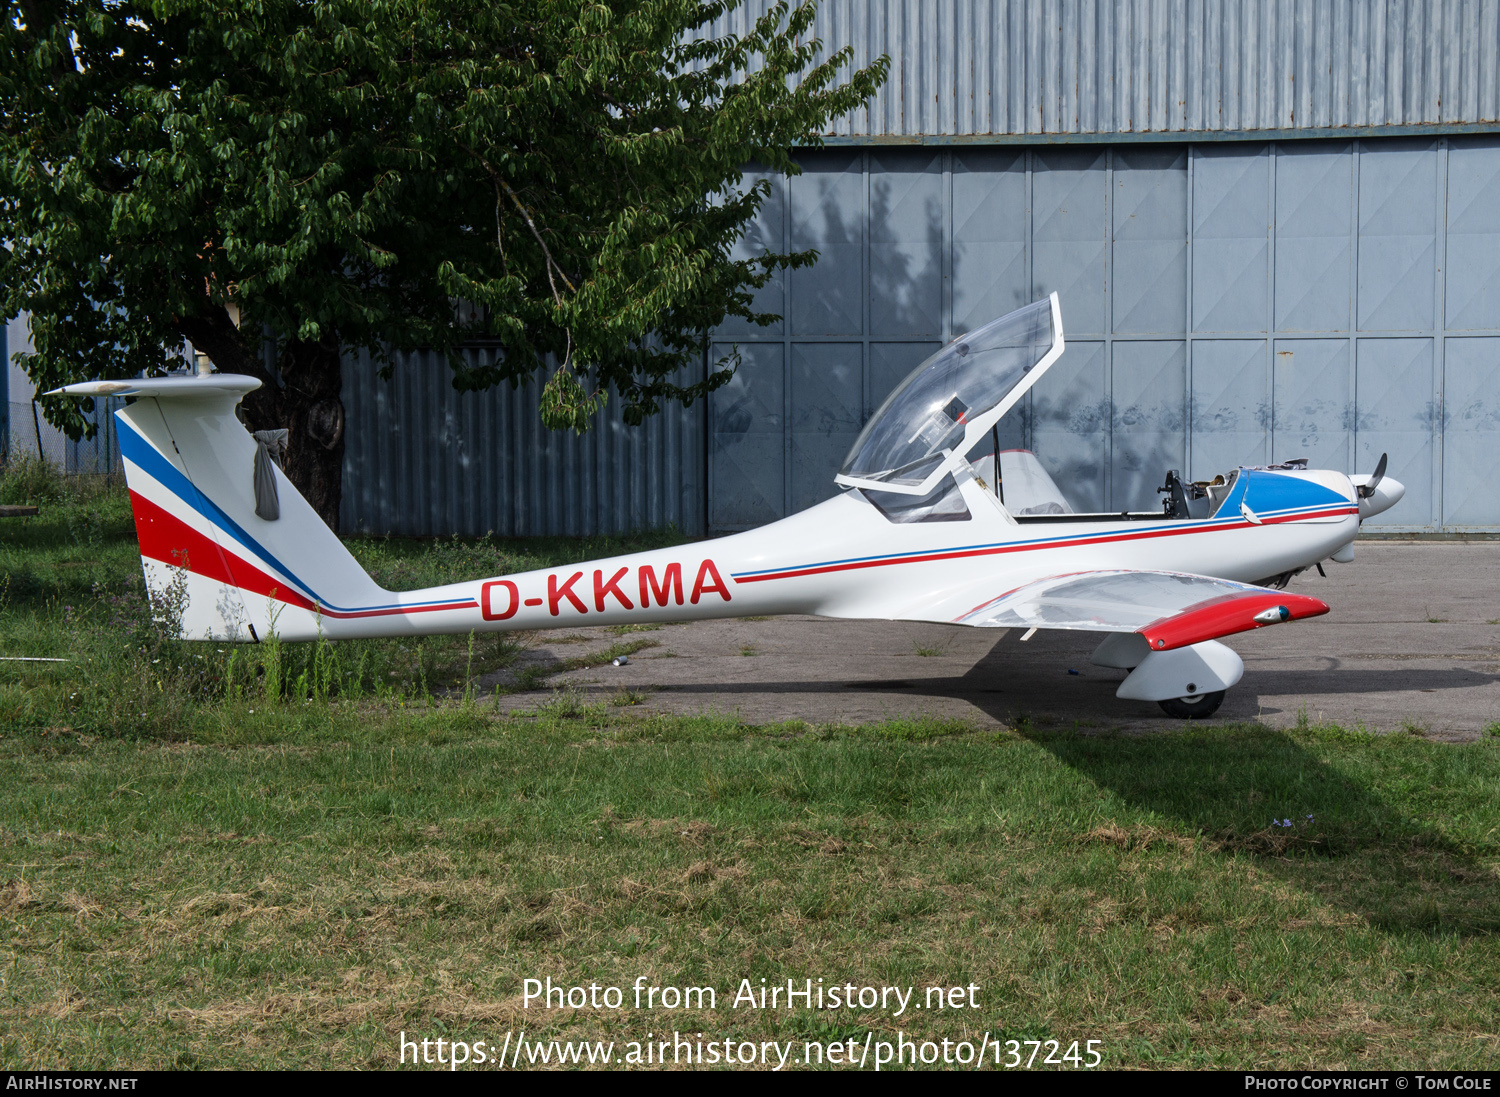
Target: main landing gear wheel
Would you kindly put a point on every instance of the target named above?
(1194, 707)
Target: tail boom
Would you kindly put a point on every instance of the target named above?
(219, 571)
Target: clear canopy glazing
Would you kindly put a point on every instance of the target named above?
(929, 413)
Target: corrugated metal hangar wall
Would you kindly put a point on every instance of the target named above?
(1227, 300)
(1223, 304)
(423, 460)
(1012, 68)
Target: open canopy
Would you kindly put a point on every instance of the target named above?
(948, 403)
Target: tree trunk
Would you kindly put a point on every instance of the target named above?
(308, 407)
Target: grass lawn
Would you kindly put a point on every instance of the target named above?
(289, 855)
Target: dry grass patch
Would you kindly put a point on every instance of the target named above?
(1139, 838)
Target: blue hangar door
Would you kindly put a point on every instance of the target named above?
(1225, 305)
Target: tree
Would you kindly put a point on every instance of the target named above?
(560, 178)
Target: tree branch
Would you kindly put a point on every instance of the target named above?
(551, 263)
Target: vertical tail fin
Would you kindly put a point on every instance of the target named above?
(210, 560)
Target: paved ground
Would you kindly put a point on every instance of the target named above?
(1413, 641)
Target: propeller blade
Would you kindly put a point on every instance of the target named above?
(1367, 489)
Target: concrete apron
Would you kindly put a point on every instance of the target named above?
(1412, 644)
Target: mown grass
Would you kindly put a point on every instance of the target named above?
(274, 879)
(314, 881)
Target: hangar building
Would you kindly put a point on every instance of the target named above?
(1274, 226)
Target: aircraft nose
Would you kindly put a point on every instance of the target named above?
(1387, 494)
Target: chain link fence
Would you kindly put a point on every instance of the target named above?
(29, 433)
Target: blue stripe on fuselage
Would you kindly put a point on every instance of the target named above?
(1278, 497)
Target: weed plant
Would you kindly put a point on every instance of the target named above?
(400, 563)
(71, 589)
(29, 480)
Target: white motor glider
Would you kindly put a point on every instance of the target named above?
(920, 533)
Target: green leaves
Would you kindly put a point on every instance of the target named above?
(367, 171)
(565, 405)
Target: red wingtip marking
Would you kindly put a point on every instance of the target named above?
(1224, 616)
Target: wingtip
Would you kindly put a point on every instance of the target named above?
(1228, 615)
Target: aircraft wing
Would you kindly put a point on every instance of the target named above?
(1170, 609)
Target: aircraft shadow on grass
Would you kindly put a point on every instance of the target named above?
(1396, 872)
(1362, 855)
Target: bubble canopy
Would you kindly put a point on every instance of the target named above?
(949, 402)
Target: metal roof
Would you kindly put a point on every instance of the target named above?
(1014, 71)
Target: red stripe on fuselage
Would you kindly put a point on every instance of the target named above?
(995, 550)
(165, 537)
